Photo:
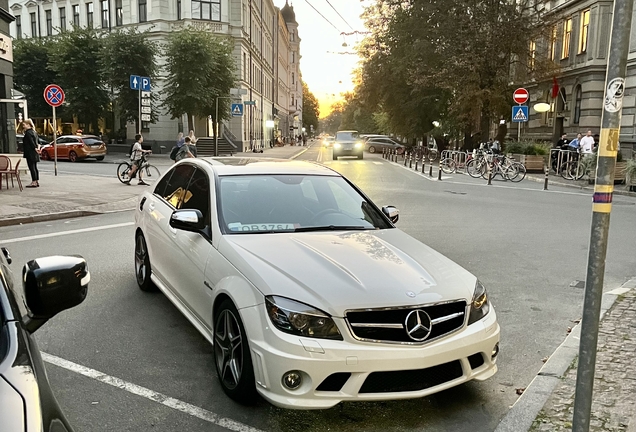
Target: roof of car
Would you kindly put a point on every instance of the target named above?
(79, 136)
(347, 131)
(251, 166)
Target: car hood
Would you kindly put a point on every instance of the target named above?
(338, 271)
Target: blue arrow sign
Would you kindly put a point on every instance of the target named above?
(237, 110)
(135, 80)
(519, 114)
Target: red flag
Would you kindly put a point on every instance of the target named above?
(555, 88)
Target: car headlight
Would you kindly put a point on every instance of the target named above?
(299, 319)
(480, 306)
(358, 144)
(336, 145)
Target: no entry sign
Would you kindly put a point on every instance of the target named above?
(54, 95)
(520, 96)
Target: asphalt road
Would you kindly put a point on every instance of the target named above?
(525, 244)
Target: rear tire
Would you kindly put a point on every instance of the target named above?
(142, 264)
(151, 174)
(100, 158)
(475, 168)
(45, 156)
(448, 166)
(72, 156)
(371, 149)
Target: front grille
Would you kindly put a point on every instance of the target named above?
(387, 325)
(334, 382)
(411, 380)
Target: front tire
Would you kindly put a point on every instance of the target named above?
(371, 149)
(142, 264)
(45, 156)
(100, 158)
(232, 356)
(123, 170)
(72, 156)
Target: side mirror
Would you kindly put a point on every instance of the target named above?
(7, 255)
(187, 220)
(392, 213)
(51, 285)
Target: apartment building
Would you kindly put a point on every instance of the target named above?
(254, 25)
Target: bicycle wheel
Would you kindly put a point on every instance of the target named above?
(516, 172)
(432, 155)
(151, 174)
(448, 166)
(577, 170)
(494, 169)
(475, 167)
(565, 170)
(123, 169)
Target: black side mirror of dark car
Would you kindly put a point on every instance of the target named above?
(51, 285)
(392, 213)
(187, 220)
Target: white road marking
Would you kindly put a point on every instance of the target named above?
(154, 396)
(61, 233)
(344, 163)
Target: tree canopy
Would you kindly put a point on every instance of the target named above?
(32, 73)
(311, 111)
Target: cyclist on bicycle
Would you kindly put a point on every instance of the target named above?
(136, 156)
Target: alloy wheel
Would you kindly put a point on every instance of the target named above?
(141, 257)
(228, 347)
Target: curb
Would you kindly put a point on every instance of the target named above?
(525, 410)
(46, 217)
(575, 186)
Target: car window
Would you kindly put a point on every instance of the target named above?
(346, 136)
(176, 187)
(92, 141)
(197, 196)
(284, 203)
(161, 185)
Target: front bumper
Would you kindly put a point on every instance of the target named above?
(347, 152)
(275, 353)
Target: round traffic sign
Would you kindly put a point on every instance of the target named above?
(54, 95)
(520, 95)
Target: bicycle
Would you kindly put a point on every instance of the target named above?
(149, 173)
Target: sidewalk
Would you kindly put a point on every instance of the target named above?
(70, 195)
(619, 189)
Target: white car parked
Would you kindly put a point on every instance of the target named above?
(308, 292)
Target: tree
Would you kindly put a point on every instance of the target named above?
(331, 123)
(128, 52)
(200, 68)
(311, 111)
(32, 72)
(75, 57)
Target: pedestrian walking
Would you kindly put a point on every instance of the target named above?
(31, 151)
(180, 139)
(304, 140)
(186, 150)
(193, 143)
(136, 158)
(587, 143)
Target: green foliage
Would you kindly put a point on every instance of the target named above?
(530, 148)
(75, 57)
(200, 68)
(311, 111)
(332, 123)
(630, 172)
(32, 73)
(128, 52)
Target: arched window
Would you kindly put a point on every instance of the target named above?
(578, 95)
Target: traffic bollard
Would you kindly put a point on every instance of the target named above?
(416, 162)
(404, 154)
(423, 164)
(410, 160)
(545, 184)
(430, 170)
(489, 175)
(439, 170)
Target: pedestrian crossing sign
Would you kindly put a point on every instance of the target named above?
(520, 114)
(237, 110)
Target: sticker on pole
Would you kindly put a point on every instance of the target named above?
(614, 95)
(54, 95)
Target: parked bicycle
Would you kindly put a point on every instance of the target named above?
(486, 162)
(149, 173)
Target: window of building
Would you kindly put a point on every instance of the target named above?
(62, 19)
(293, 56)
(209, 10)
(578, 96)
(567, 35)
(532, 55)
(76, 18)
(143, 11)
(292, 36)
(585, 27)
(553, 42)
(178, 9)
(119, 13)
(34, 25)
(293, 78)
(105, 14)
(89, 14)
(49, 22)
(18, 26)
(245, 66)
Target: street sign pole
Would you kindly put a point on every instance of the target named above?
(54, 96)
(519, 131)
(55, 140)
(216, 129)
(139, 99)
(601, 208)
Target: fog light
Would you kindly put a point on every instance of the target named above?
(495, 351)
(292, 380)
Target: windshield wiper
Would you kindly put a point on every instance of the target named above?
(333, 228)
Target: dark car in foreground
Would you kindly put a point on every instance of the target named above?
(49, 286)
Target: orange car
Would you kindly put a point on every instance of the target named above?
(76, 147)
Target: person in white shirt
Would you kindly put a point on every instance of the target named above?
(135, 157)
(587, 143)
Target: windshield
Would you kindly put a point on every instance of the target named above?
(293, 203)
(347, 136)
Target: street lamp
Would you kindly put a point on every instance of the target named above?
(541, 107)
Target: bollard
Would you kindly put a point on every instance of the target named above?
(489, 175)
(404, 154)
(439, 170)
(545, 184)
(430, 170)
(423, 164)
(416, 161)
(410, 160)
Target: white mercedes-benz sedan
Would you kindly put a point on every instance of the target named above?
(306, 289)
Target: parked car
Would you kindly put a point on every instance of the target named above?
(307, 291)
(19, 138)
(347, 143)
(49, 286)
(328, 141)
(76, 147)
(374, 145)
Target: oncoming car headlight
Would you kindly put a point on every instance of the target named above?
(358, 144)
(337, 145)
(297, 318)
(480, 306)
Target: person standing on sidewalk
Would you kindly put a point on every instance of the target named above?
(31, 152)
(587, 143)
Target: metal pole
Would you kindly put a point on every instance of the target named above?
(601, 208)
(139, 99)
(216, 133)
(55, 141)
(519, 131)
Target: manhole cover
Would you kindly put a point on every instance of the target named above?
(577, 284)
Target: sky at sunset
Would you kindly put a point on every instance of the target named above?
(327, 74)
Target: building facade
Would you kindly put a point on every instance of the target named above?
(7, 110)
(254, 26)
(578, 44)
